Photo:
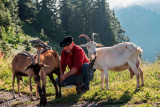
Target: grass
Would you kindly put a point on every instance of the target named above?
(122, 89)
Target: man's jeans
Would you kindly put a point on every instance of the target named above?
(84, 78)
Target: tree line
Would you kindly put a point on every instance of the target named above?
(54, 19)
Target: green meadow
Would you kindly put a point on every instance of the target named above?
(122, 89)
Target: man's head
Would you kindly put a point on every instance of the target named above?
(67, 43)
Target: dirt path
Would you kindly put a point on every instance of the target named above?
(6, 100)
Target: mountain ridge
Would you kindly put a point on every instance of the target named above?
(143, 28)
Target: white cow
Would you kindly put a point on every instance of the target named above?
(117, 58)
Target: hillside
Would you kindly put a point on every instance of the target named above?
(143, 28)
(122, 91)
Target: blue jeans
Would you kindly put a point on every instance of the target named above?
(84, 78)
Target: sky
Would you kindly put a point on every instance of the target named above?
(153, 5)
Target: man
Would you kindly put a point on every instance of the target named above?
(75, 58)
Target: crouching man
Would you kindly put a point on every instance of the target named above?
(75, 58)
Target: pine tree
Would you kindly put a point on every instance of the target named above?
(117, 29)
(65, 13)
(101, 23)
(16, 23)
(5, 16)
(76, 20)
(9, 14)
(80, 20)
(42, 35)
(27, 10)
(47, 19)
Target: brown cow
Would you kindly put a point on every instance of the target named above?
(46, 63)
(19, 62)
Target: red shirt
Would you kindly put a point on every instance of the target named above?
(75, 59)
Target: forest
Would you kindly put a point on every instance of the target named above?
(23, 20)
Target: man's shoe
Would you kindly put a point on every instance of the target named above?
(84, 89)
(79, 88)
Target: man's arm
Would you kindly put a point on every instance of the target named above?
(71, 72)
(63, 62)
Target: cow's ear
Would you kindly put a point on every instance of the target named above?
(99, 44)
(46, 42)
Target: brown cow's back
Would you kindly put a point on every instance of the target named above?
(51, 59)
(19, 63)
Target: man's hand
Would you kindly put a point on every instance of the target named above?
(63, 77)
(71, 72)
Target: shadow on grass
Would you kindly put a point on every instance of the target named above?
(124, 99)
(73, 98)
